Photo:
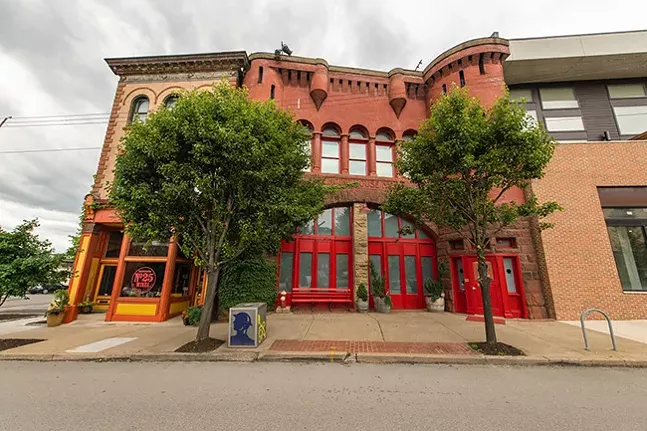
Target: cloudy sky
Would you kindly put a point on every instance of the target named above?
(52, 51)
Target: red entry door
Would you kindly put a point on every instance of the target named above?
(473, 289)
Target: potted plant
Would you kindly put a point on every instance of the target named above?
(86, 306)
(362, 298)
(381, 299)
(56, 310)
(191, 316)
(435, 290)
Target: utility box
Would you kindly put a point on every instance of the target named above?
(247, 325)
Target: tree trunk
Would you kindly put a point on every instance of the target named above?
(484, 281)
(207, 307)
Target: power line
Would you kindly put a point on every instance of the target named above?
(103, 114)
(49, 150)
(69, 123)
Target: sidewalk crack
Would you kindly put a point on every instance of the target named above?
(312, 320)
(379, 325)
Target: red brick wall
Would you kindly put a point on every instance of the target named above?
(580, 265)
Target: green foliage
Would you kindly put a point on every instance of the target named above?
(463, 160)
(387, 301)
(57, 306)
(222, 173)
(250, 280)
(434, 288)
(26, 261)
(85, 304)
(193, 315)
(378, 285)
(362, 293)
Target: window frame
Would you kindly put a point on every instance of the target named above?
(640, 223)
(336, 138)
(542, 102)
(355, 140)
(134, 108)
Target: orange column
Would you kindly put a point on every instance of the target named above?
(167, 285)
(316, 152)
(119, 277)
(370, 156)
(344, 151)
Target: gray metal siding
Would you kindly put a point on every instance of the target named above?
(597, 114)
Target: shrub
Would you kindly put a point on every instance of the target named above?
(57, 306)
(193, 315)
(362, 293)
(377, 283)
(435, 288)
(252, 280)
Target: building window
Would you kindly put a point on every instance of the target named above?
(332, 221)
(272, 91)
(143, 279)
(558, 98)
(626, 91)
(139, 109)
(482, 63)
(285, 273)
(330, 147)
(506, 242)
(520, 94)
(113, 247)
(632, 120)
(564, 124)
(461, 77)
(260, 74)
(626, 227)
(153, 248)
(385, 225)
(182, 278)
(384, 153)
(170, 101)
(307, 144)
(457, 244)
(444, 88)
(357, 152)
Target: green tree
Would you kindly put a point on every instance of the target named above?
(26, 261)
(463, 160)
(221, 173)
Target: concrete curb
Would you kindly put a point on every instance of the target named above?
(337, 357)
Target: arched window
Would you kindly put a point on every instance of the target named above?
(409, 135)
(170, 101)
(384, 153)
(385, 225)
(330, 146)
(139, 110)
(357, 141)
(308, 143)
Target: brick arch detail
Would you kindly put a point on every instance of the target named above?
(141, 91)
(162, 95)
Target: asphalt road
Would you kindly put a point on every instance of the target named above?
(288, 396)
(36, 304)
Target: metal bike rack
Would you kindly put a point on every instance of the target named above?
(606, 316)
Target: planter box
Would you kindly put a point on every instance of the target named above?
(435, 306)
(380, 305)
(55, 319)
(362, 306)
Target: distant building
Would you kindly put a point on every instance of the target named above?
(589, 91)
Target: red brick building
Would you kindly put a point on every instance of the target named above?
(357, 118)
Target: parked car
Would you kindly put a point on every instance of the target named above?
(46, 289)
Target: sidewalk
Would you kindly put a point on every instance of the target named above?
(409, 337)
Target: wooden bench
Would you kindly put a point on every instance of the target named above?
(326, 296)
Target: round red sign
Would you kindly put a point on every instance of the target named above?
(143, 280)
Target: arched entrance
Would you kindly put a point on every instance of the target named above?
(405, 260)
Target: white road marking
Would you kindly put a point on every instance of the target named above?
(101, 345)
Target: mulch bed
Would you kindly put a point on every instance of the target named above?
(498, 349)
(14, 316)
(10, 343)
(202, 346)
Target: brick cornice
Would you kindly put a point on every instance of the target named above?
(190, 63)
